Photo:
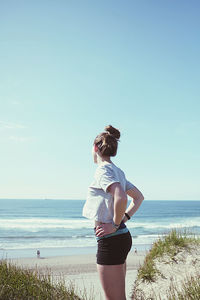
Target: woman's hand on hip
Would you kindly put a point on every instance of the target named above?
(105, 229)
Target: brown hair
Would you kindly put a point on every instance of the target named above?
(107, 141)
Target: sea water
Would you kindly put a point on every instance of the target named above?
(56, 227)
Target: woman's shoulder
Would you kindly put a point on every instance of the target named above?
(102, 168)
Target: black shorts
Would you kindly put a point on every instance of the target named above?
(114, 250)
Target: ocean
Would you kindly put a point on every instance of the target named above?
(56, 227)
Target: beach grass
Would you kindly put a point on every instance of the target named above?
(23, 284)
(190, 289)
(171, 244)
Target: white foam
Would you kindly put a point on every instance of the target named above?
(75, 241)
(187, 223)
(33, 224)
(50, 243)
(89, 241)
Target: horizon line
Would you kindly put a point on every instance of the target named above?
(76, 199)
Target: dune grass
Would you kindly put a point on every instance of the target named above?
(170, 244)
(24, 284)
(190, 290)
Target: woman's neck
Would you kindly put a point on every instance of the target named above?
(102, 159)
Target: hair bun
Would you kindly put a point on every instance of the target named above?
(113, 131)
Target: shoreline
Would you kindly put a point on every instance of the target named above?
(59, 251)
(72, 264)
(45, 252)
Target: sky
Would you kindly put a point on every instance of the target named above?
(69, 68)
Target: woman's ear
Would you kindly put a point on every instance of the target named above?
(96, 148)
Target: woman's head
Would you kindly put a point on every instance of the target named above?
(106, 143)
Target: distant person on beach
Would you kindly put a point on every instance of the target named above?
(106, 204)
(38, 253)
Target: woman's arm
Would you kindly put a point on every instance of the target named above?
(137, 197)
(120, 204)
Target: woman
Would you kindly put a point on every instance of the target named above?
(106, 204)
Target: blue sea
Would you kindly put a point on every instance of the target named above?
(56, 227)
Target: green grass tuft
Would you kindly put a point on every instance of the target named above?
(170, 244)
(24, 284)
(148, 272)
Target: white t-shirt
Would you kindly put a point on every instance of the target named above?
(99, 203)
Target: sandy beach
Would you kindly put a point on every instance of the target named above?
(80, 270)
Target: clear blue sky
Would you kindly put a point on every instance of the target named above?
(68, 68)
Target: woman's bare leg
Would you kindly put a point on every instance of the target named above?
(125, 269)
(112, 278)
